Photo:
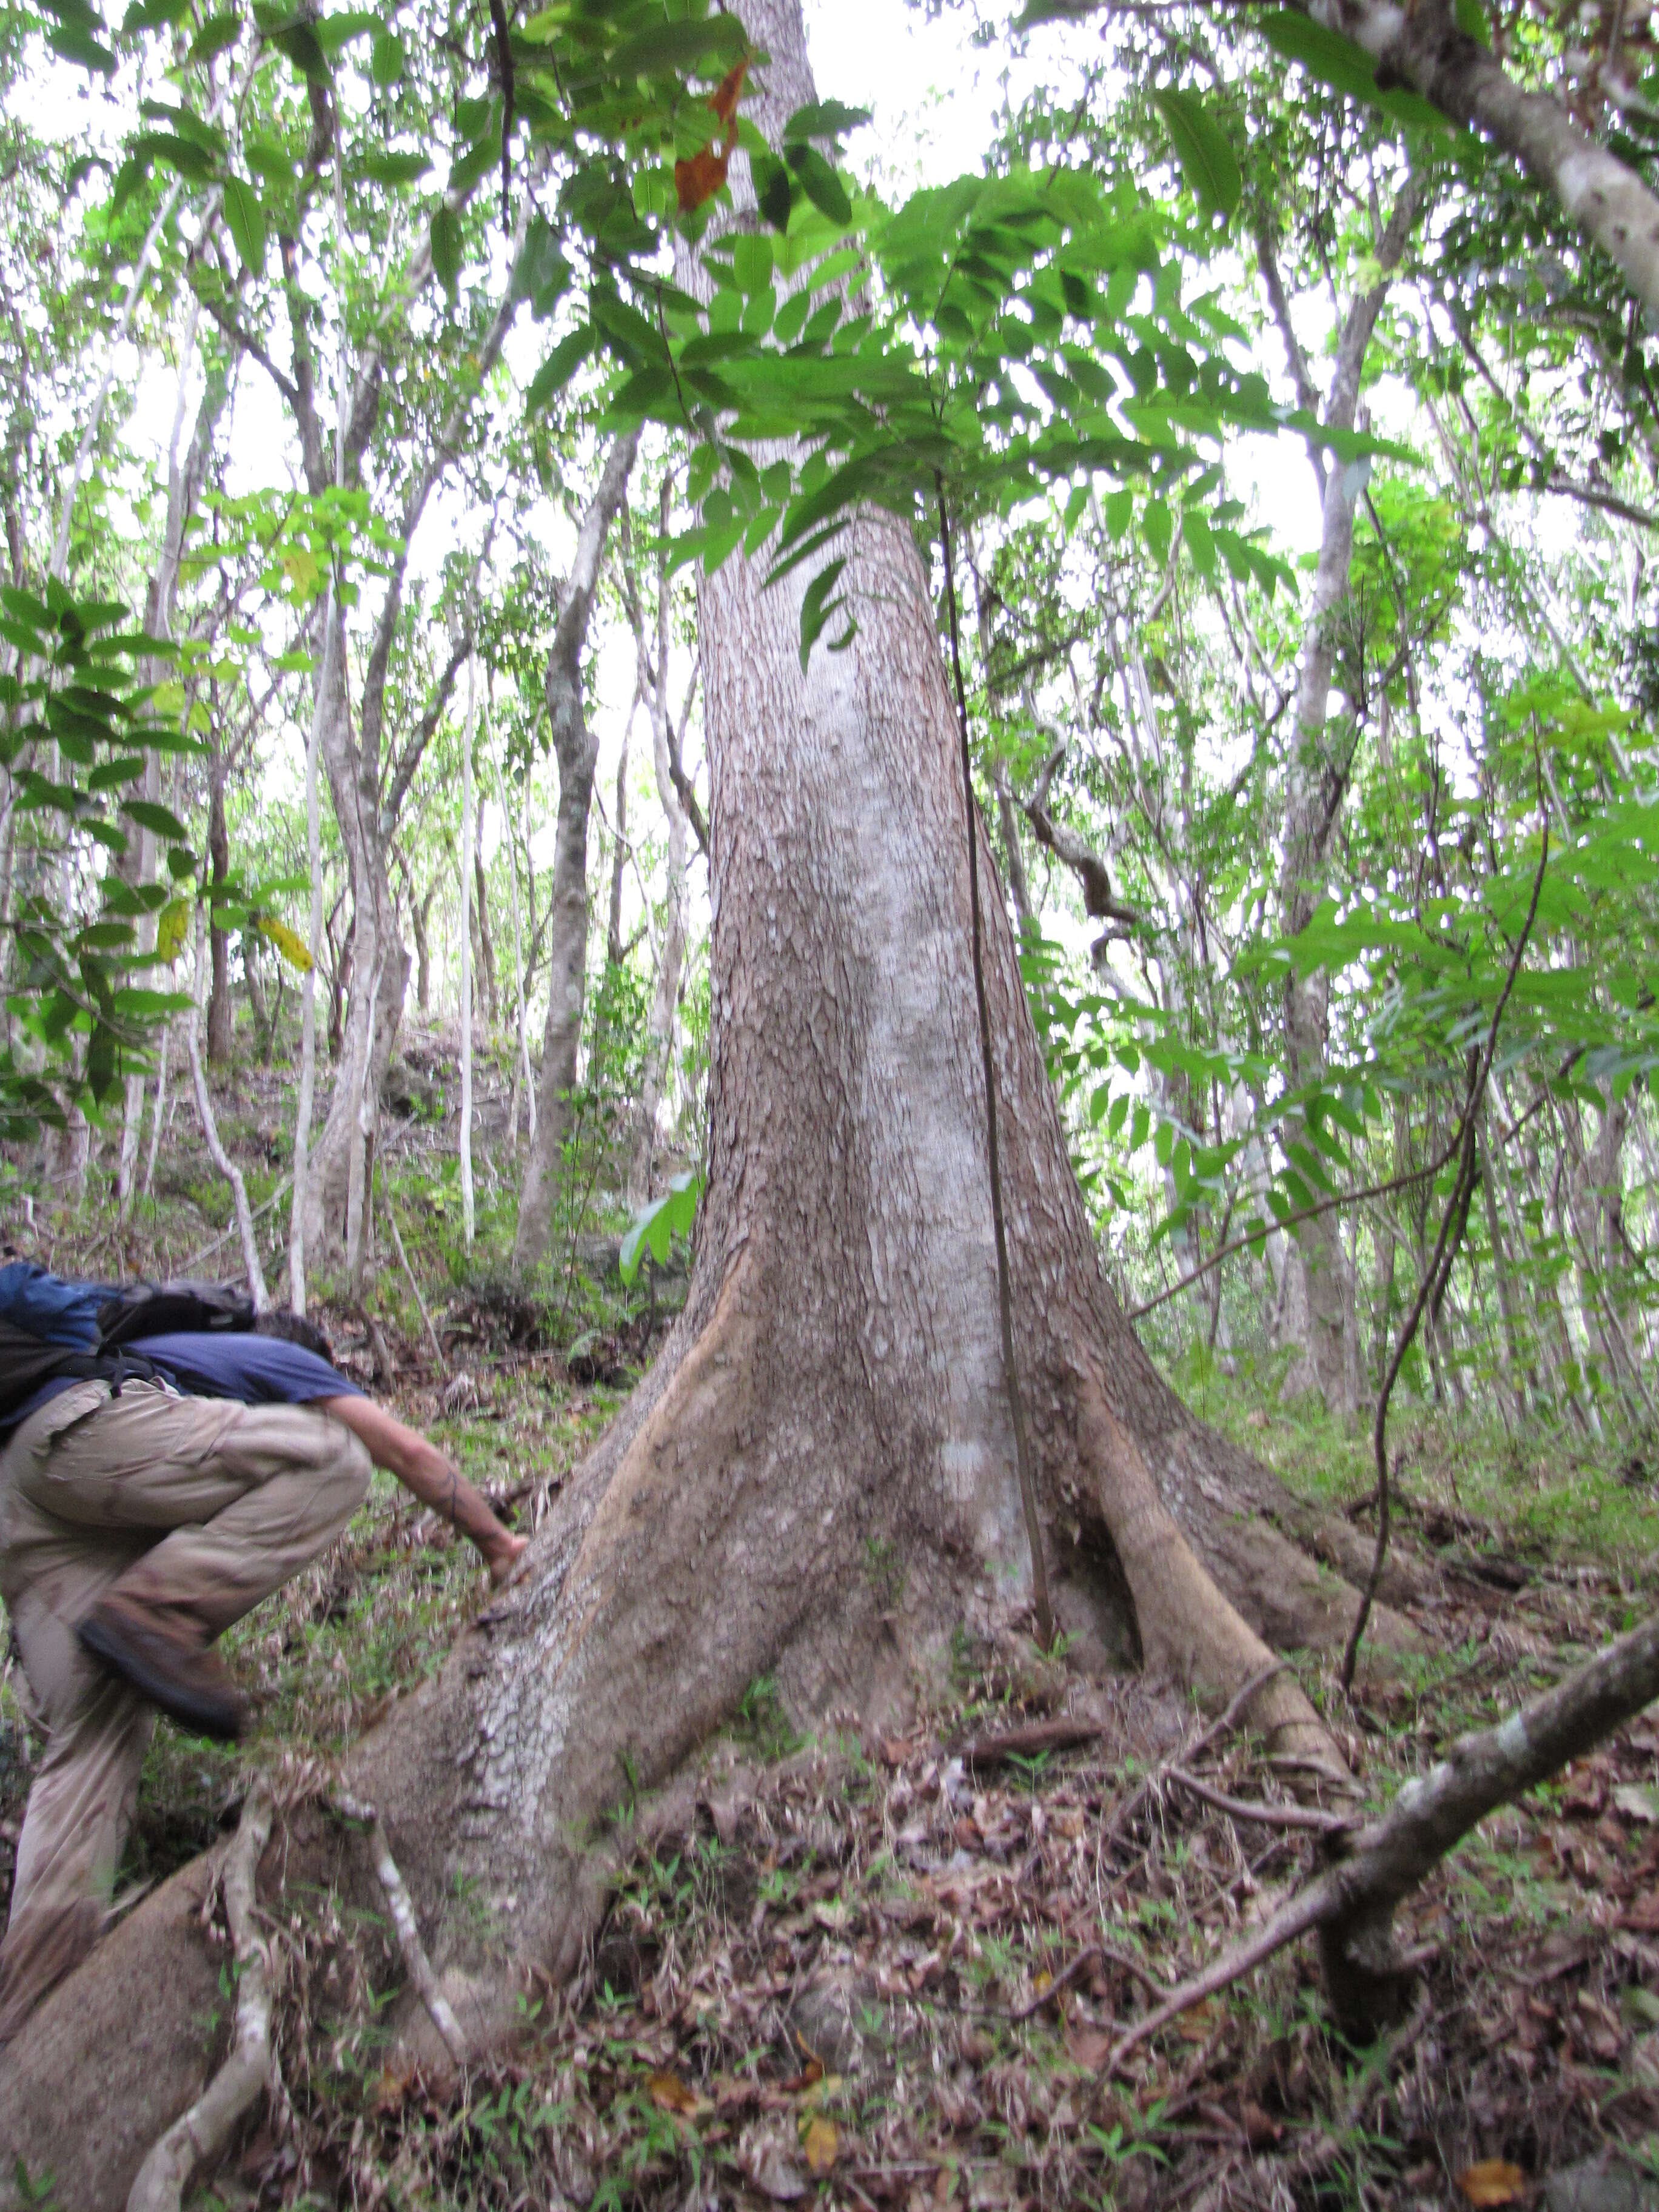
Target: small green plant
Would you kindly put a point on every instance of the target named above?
(885, 1571)
(41, 2192)
(762, 1721)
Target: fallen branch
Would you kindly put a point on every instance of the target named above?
(199, 2134)
(1267, 1816)
(1095, 1954)
(1351, 1903)
(1217, 1731)
(417, 1965)
(1031, 1742)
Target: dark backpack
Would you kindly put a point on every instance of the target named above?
(51, 1328)
(171, 1310)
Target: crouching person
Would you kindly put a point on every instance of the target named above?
(137, 1524)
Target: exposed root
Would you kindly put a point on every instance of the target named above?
(199, 2134)
(417, 1965)
(1188, 1629)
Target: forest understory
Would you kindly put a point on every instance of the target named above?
(865, 1970)
(926, 902)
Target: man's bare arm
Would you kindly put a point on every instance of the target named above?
(432, 1477)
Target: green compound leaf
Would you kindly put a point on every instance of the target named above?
(1207, 161)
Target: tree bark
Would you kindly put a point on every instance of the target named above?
(832, 1391)
(419, 915)
(577, 751)
(486, 942)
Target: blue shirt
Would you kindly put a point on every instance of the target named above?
(260, 1370)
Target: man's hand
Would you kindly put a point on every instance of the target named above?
(432, 1478)
(505, 1557)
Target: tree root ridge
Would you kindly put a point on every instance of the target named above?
(417, 1965)
(199, 2134)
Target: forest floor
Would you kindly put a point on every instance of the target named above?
(854, 1973)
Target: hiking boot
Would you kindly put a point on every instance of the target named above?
(168, 1664)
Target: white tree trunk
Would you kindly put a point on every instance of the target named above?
(522, 1079)
(220, 1157)
(296, 1250)
(467, 1220)
(576, 750)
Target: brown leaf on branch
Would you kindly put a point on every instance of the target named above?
(699, 178)
(724, 100)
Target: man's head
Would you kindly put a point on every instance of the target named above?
(293, 1329)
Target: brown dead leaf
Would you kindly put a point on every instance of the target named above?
(393, 2089)
(1586, 1793)
(821, 2142)
(699, 178)
(702, 177)
(1599, 2029)
(1091, 2046)
(1492, 2181)
(809, 2077)
(723, 99)
(670, 2094)
(895, 1750)
(1197, 2023)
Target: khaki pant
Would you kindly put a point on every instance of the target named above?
(199, 1505)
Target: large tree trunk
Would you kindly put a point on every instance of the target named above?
(832, 1393)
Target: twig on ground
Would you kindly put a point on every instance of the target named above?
(1214, 1733)
(1294, 1919)
(201, 2133)
(1092, 1955)
(417, 1965)
(1267, 1816)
